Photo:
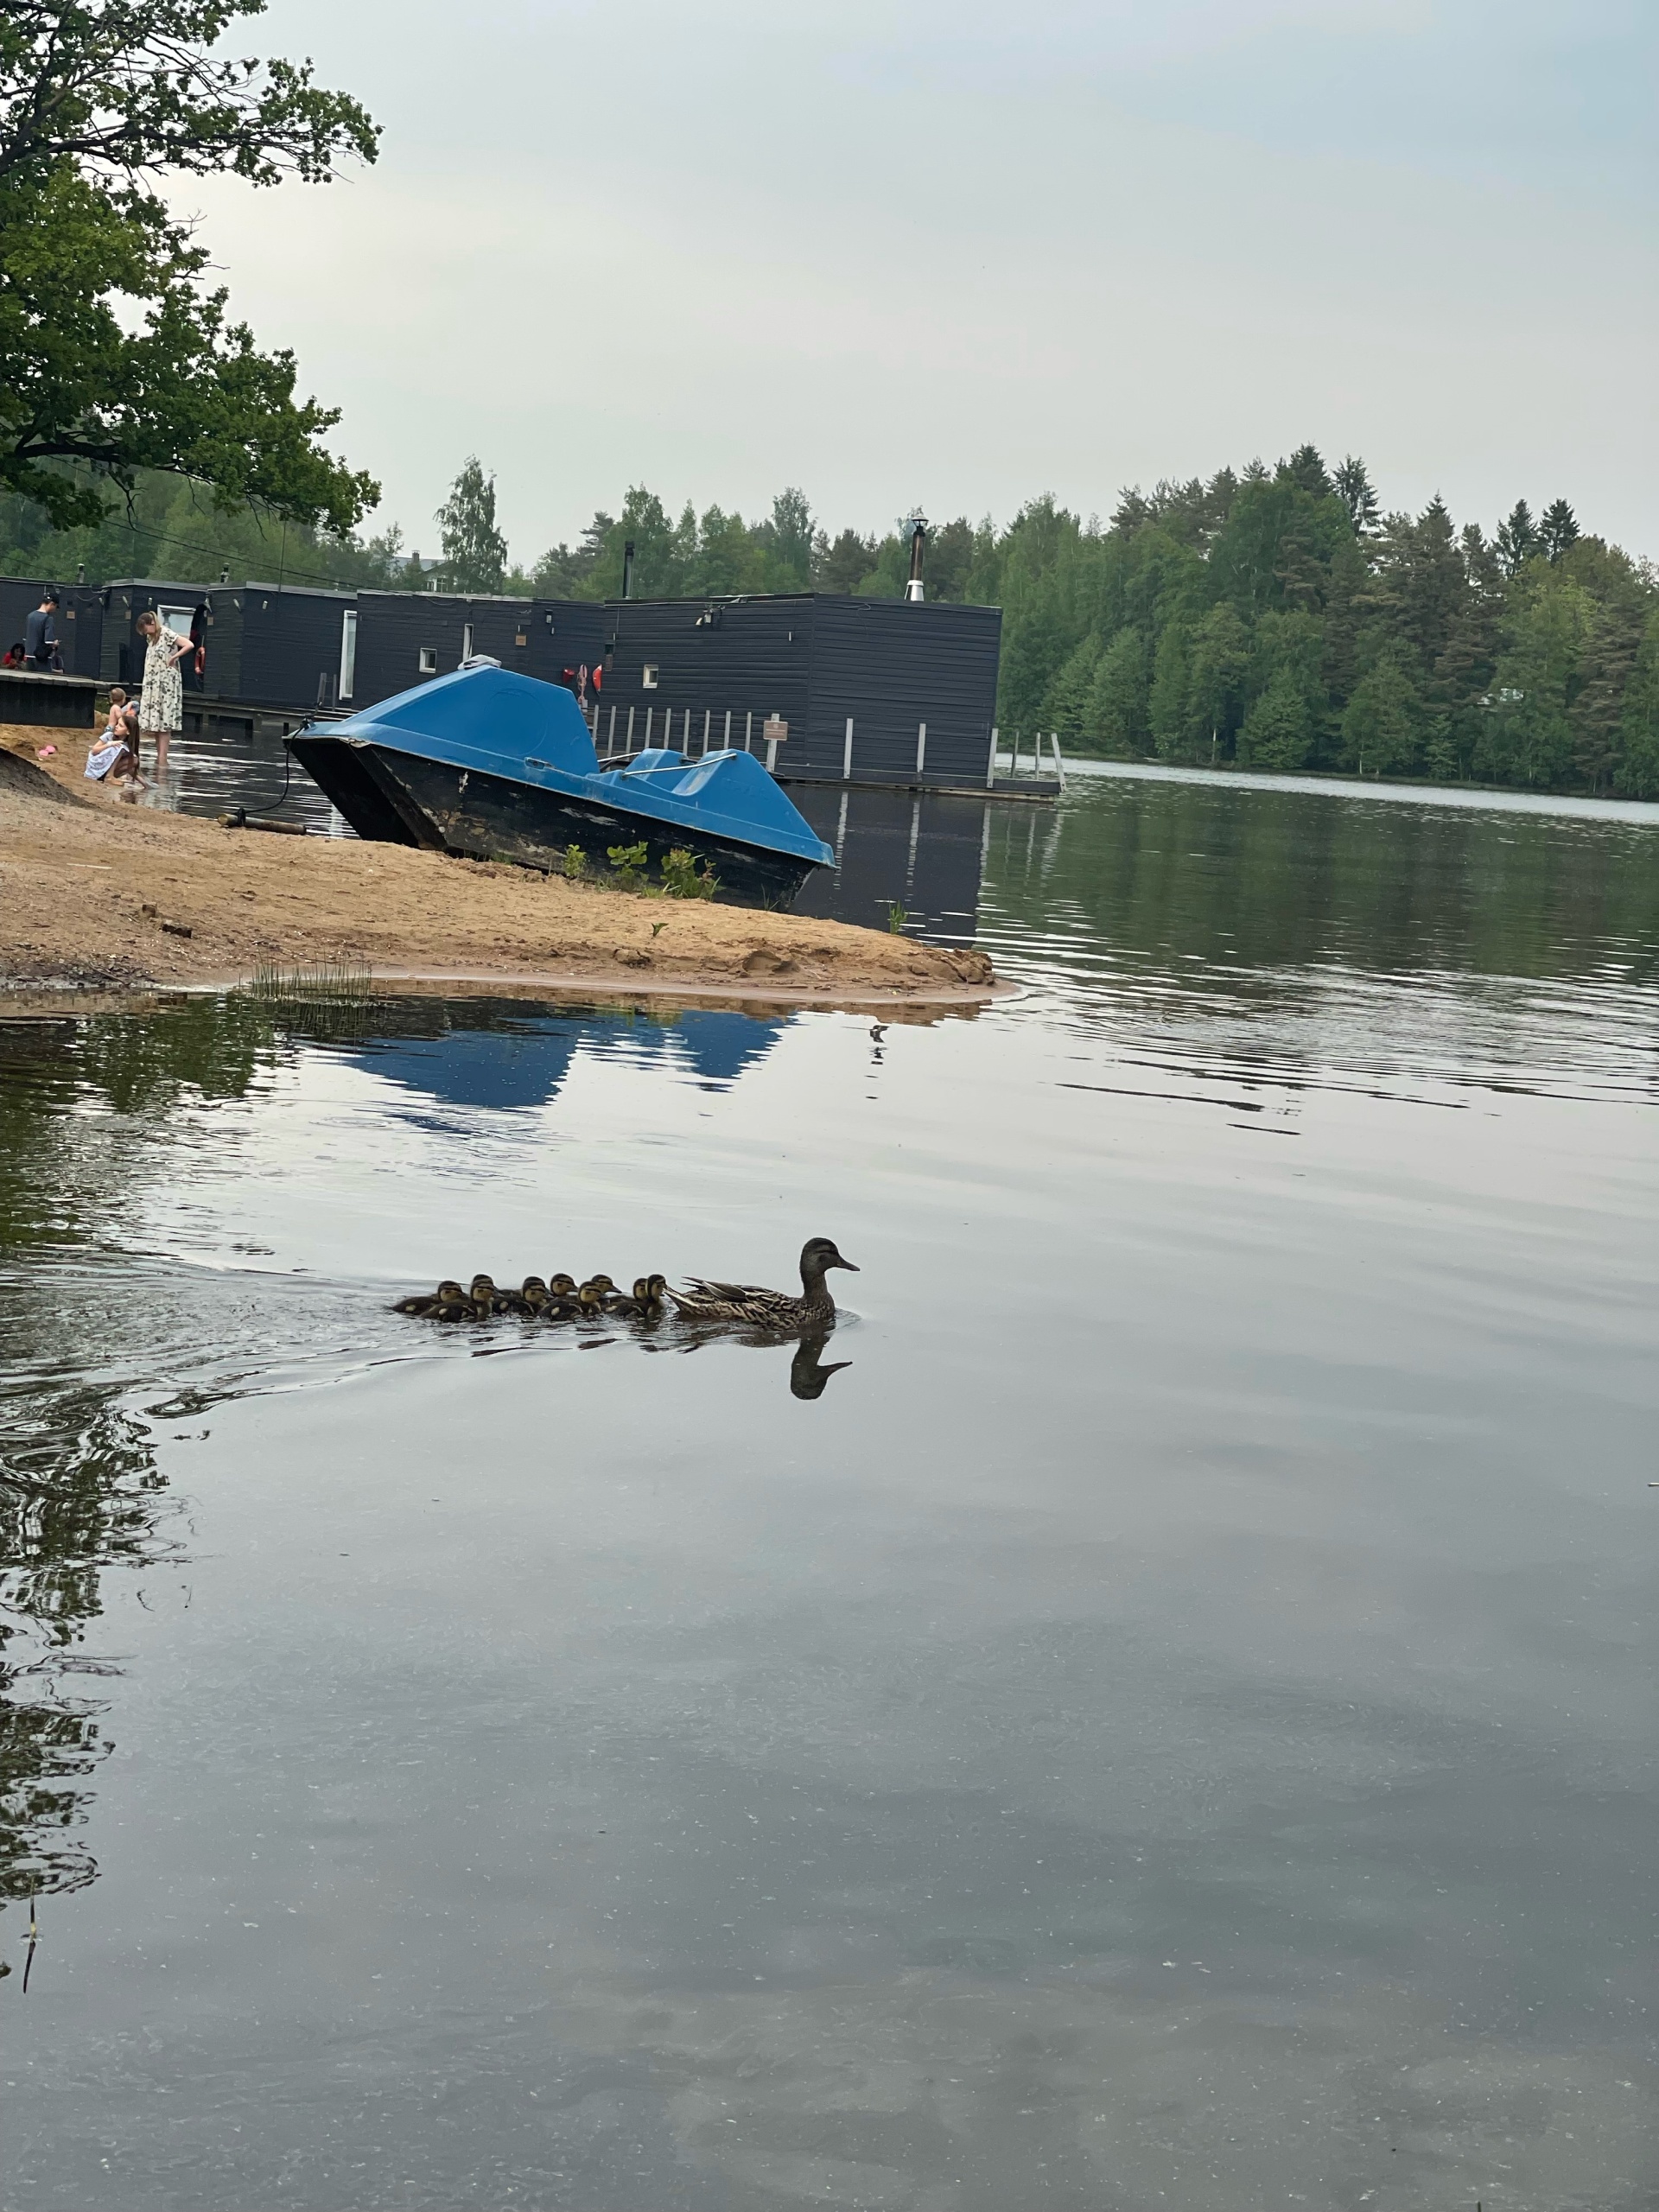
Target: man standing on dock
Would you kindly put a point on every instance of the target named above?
(40, 637)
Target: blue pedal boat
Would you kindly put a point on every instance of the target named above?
(495, 765)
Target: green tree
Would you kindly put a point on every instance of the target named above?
(1115, 713)
(1066, 702)
(1221, 660)
(1384, 729)
(1558, 530)
(475, 551)
(113, 352)
(1517, 538)
(845, 562)
(1278, 732)
(1636, 773)
(1169, 713)
(1527, 737)
(1353, 487)
(786, 541)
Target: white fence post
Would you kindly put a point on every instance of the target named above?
(921, 748)
(708, 716)
(990, 764)
(728, 729)
(650, 711)
(748, 724)
(627, 742)
(846, 755)
(610, 736)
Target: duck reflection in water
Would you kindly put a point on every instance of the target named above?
(808, 1375)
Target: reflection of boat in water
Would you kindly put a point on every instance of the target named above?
(496, 765)
(506, 1056)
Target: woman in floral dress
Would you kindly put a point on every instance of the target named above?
(161, 702)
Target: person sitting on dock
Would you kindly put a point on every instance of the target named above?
(15, 656)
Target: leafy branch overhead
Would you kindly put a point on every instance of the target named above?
(113, 354)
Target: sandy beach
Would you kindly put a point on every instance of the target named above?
(94, 892)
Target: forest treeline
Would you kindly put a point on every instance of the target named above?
(1274, 617)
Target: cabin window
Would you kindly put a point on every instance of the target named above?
(428, 660)
(648, 676)
(347, 652)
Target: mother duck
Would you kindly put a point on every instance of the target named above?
(770, 1309)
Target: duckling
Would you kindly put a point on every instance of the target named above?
(770, 1309)
(421, 1303)
(562, 1303)
(487, 1298)
(646, 1302)
(532, 1296)
(458, 1308)
(603, 1288)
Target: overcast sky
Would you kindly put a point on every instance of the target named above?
(958, 254)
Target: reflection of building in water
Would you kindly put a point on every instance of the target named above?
(512, 1062)
(923, 851)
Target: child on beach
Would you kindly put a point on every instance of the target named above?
(114, 757)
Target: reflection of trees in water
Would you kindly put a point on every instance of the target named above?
(93, 1111)
(88, 1110)
(79, 1493)
(1162, 870)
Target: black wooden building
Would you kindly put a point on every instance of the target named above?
(121, 657)
(284, 647)
(874, 690)
(404, 637)
(80, 622)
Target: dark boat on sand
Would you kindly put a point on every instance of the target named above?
(499, 767)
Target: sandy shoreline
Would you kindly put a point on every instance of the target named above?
(95, 895)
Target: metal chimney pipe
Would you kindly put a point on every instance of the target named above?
(627, 569)
(913, 590)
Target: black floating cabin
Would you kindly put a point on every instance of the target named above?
(405, 637)
(80, 620)
(286, 648)
(121, 658)
(893, 692)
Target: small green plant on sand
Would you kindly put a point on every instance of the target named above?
(684, 878)
(576, 864)
(897, 917)
(628, 863)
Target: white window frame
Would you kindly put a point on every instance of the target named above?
(428, 660)
(466, 643)
(648, 676)
(347, 652)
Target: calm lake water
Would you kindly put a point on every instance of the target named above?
(1169, 1723)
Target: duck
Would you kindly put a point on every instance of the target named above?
(603, 1288)
(770, 1309)
(458, 1308)
(562, 1303)
(487, 1298)
(646, 1302)
(421, 1302)
(529, 1298)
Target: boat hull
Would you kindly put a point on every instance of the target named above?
(392, 797)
